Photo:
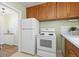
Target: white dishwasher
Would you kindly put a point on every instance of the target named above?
(46, 43)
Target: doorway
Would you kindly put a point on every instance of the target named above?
(9, 30)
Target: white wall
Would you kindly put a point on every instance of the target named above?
(13, 26)
(20, 7)
(3, 24)
(3, 27)
(13, 22)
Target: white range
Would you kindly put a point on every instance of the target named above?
(46, 43)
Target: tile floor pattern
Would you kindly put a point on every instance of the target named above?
(20, 54)
(7, 50)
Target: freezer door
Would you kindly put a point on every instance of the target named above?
(28, 42)
(26, 24)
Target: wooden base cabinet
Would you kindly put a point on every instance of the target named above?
(71, 50)
(71, 53)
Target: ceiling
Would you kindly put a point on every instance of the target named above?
(7, 10)
(29, 4)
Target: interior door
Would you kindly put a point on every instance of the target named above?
(28, 41)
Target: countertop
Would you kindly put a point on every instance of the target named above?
(74, 39)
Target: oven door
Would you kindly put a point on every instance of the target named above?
(46, 43)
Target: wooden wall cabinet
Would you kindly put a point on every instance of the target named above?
(47, 11)
(54, 11)
(71, 50)
(67, 10)
(42, 12)
(31, 12)
(74, 9)
(63, 10)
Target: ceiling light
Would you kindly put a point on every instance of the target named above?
(3, 11)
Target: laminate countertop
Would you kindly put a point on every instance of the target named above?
(74, 39)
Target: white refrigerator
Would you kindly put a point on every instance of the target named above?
(29, 32)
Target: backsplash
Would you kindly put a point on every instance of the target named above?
(66, 28)
(57, 25)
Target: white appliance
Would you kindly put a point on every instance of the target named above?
(29, 31)
(46, 43)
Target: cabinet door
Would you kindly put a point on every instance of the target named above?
(70, 49)
(71, 53)
(28, 12)
(31, 12)
(74, 9)
(63, 9)
(42, 11)
(51, 10)
(47, 11)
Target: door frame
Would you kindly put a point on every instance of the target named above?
(19, 19)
